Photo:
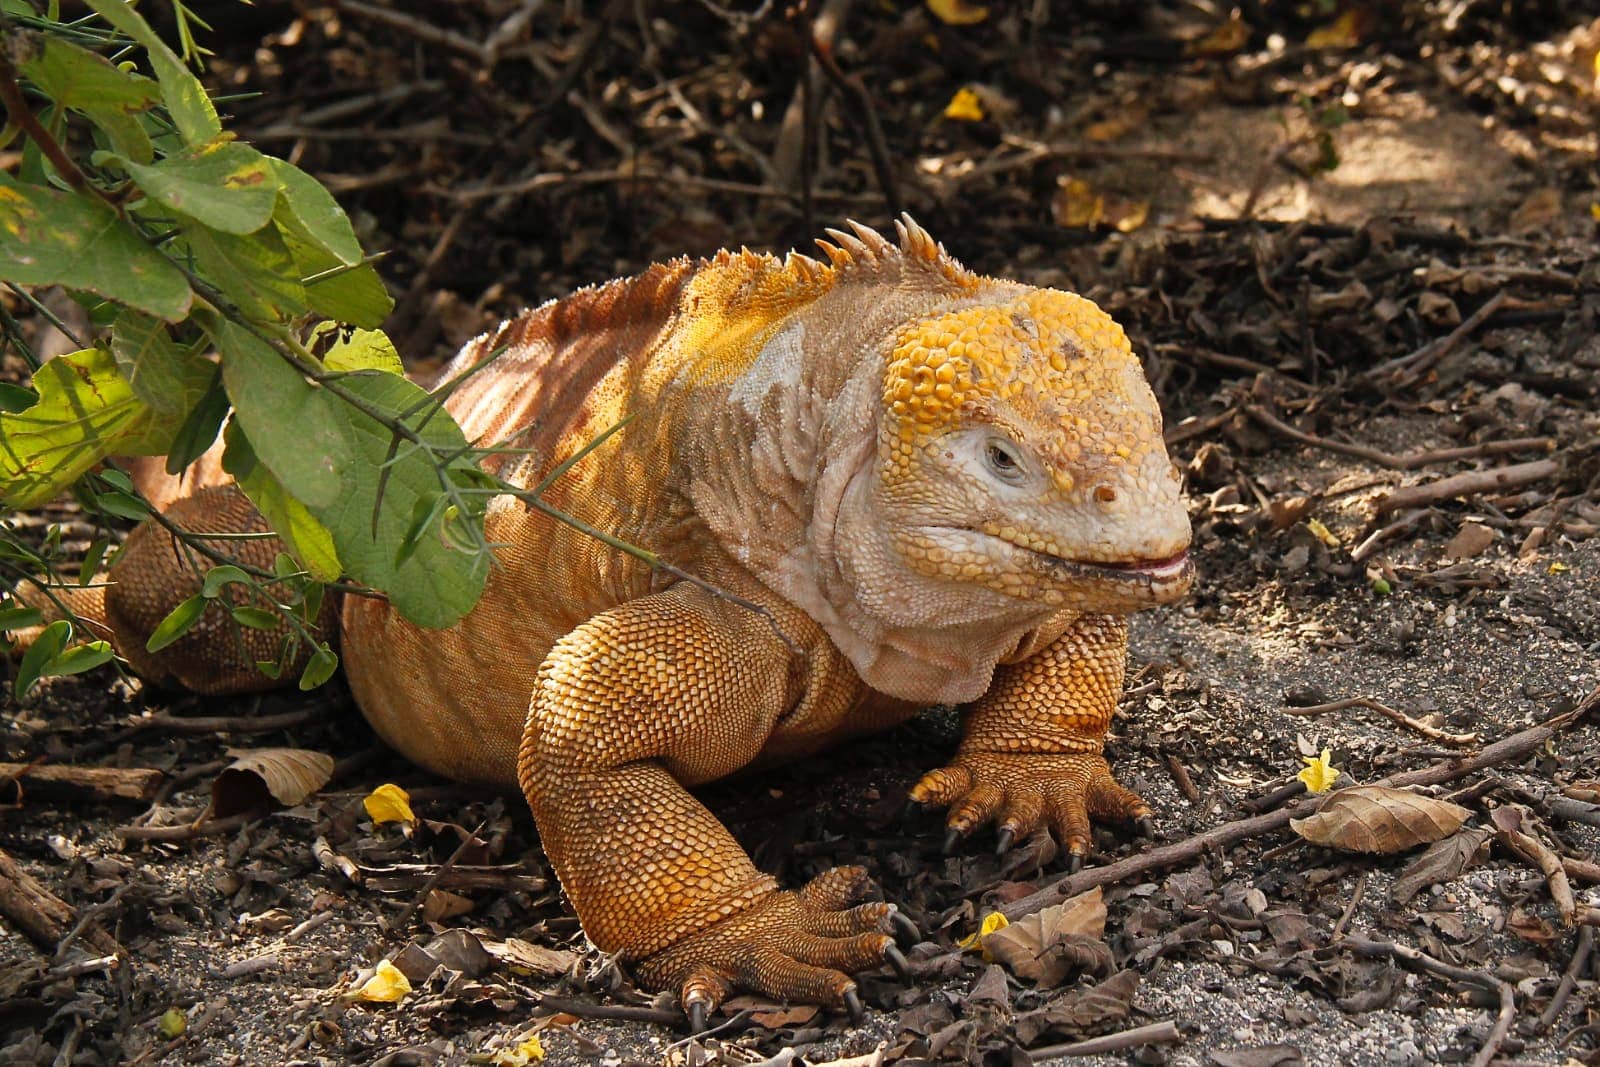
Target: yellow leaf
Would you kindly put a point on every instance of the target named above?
(958, 12)
(1342, 32)
(1077, 205)
(1594, 210)
(1319, 774)
(1558, 568)
(1323, 534)
(386, 986)
(991, 922)
(172, 1024)
(964, 107)
(528, 1050)
(389, 803)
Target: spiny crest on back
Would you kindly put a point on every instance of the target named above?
(1052, 359)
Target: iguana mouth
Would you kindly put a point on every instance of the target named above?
(1157, 572)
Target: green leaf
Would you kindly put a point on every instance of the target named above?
(200, 428)
(436, 584)
(46, 647)
(254, 272)
(121, 505)
(182, 92)
(343, 288)
(20, 618)
(167, 376)
(256, 618)
(15, 398)
(320, 667)
(80, 658)
(220, 576)
(86, 412)
(76, 240)
(313, 216)
(297, 429)
(91, 560)
(224, 185)
(112, 98)
(355, 295)
(355, 349)
(179, 621)
(307, 538)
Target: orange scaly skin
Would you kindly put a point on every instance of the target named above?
(944, 488)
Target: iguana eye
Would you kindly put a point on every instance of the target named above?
(1003, 460)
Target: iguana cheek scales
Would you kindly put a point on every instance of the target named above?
(939, 486)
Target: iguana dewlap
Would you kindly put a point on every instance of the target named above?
(940, 487)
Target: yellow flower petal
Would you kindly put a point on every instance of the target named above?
(964, 107)
(1558, 568)
(991, 922)
(389, 803)
(1319, 774)
(1323, 534)
(528, 1050)
(957, 12)
(386, 986)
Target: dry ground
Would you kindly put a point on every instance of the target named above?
(1310, 220)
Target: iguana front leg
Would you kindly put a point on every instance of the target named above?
(1031, 753)
(680, 688)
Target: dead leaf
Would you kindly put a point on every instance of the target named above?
(1470, 540)
(542, 962)
(1538, 212)
(1228, 37)
(1530, 927)
(1375, 818)
(260, 775)
(1343, 32)
(442, 904)
(1050, 944)
(958, 12)
(461, 950)
(1444, 861)
(776, 1018)
(1080, 1010)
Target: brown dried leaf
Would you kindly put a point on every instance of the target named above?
(1444, 861)
(441, 904)
(1080, 1010)
(1375, 818)
(260, 775)
(1471, 539)
(542, 962)
(461, 950)
(1036, 946)
(776, 1018)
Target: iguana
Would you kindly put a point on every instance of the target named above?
(936, 487)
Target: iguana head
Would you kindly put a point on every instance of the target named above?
(1020, 449)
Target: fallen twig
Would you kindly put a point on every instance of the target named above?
(1433, 733)
(1164, 1031)
(1408, 370)
(1401, 462)
(1470, 483)
(1569, 979)
(186, 831)
(1505, 750)
(1508, 1003)
(122, 783)
(44, 917)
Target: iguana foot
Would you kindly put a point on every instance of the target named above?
(1023, 791)
(798, 946)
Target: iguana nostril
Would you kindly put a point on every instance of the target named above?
(1105, 494)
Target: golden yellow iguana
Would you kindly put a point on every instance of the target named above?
(943, 488)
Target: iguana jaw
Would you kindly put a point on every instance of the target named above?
(1012, 566)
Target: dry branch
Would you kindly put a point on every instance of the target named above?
(130, 783)
(44, 917)
(1505, 750)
